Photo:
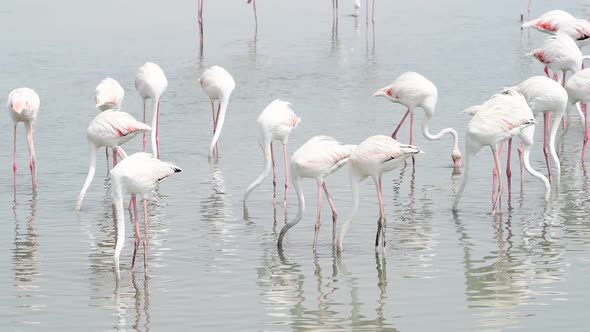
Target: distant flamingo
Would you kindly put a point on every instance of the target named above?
(373, 157)
(503, 116)
(110, 129)
(151, 83)
(522, 10)
(200, 19)
(275, 122)
(319, 157)
(23, 105)
(372, 12)
(578, 90)
(137, 174)
(414, 90)
(109, 95)
(255, 15)
(218, 84)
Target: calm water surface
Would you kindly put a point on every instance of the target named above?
(526, 268)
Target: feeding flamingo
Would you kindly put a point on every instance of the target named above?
(560, 54)
(137, 174)
(373, 157)
(218, 84)
(319, 157)
(414, 90)
(503, 116)
(23, 105)
(110, 129)
(151, 83)
(275, 122)
(557, 21)
(109, 95)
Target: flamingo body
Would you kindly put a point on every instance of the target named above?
(551, 21)
(559, 53)
(578, 90)
(109, 94)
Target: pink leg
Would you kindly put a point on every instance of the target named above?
(319, 218)
(520, 151)
(497, 203)
(412, 138)
(14, 158)
(586, 135)
(508, 170)
(274, 176)
(381, 221)
(115, 157)
(286, 174)
(158, 131)
(334, 214)
(145, 236)
(137, 231)
(144, 141)
(255, 15)
(106, 150)
(547, 120)
(200, 16)
(547, 71)
(495, 175)
(373, 12)
(394, 135)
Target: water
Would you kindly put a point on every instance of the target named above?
(209, 269)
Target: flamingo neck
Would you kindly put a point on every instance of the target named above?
(355, 184)
(470, 151)
(155, 129)
(455, 152)
(117, 197)
(527, 165)
(300, 210)
(90, 176)
(223, 101)
(262, 176)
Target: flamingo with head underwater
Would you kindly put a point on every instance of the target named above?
(502, 117)
(275, 123)
(414, 90)
(373, 157)
(319, 157)
(109, 95)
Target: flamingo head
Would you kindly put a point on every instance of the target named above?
(388, 93)
(456, 155)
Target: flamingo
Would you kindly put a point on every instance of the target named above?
(276, 122)
(319, 157)
(151, 83)
(547, 97)
(559, 53)
(137, 174)
(255, 15)
(414, 90)
(23, 105)
(578, 90)
(550, 22)
(109, 95)
(110, 129)
(522, 10)
(503, 116)
(373, 157)
(218, 84)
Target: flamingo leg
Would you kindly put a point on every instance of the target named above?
(145, 236)
(14, 158)
(381, 221)
(255, 15)
(200, 18)
(32, 158)
(520, 151)
(495, 175)
(106, 150)
(285, 155)
(158, 130)
(394, 135)
(144, 139)
(497, 203)
(115, 157)
(334, 214)
(137, 231)
(373, 12)
(546, 70)
(319, 217)
(546, 120)
(586, 134)
(508, 170)
(367, 13)
(274, 176)
(412, 137)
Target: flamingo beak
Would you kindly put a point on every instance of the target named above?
(380, 92)
(18, 106)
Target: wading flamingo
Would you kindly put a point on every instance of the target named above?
(109, 95)
(23, 105)
(319, 157)
(275, 123)
(151, 83)
(137, 174)
(578, 90)
(110, 129)
(414, 90)
(373, 157)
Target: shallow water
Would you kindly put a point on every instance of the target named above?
(209, 269)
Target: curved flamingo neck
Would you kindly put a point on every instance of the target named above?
(223, 102)
(91, 170)
(300, 211)
(262, 176)
(355, 184)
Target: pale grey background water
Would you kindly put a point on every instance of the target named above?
(526, 268)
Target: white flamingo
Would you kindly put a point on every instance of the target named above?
(151, 83)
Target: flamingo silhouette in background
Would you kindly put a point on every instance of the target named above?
(23, 105)
(578, 90)
(151, 83)
(200, 18)
(137, 174)
(522, 10)
(503, 116)
(319, 157)
(275, 123)
(414, 90)
(109, 95)
(110, 129)
(373, 157)
(218, 84)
